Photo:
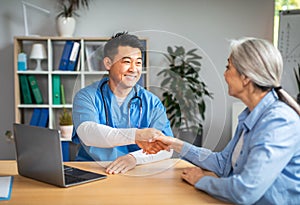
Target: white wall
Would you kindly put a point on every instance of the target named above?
(203, 24)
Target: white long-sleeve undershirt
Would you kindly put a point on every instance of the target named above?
(98, 135)
(142, 158)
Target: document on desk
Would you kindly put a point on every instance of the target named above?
(5, 187)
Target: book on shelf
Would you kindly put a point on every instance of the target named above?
(25, 90)
(63, 98)
(63, 65)
(70, 56)
(73, 58)
(39, 117)
(37, 94)
(56, 96)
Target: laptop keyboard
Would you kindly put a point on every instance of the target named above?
(73, 175)
(69, 179)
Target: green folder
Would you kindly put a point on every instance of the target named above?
(56, 90)
(25, 90)
(35, 89)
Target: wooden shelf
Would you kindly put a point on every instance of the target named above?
(70, 79)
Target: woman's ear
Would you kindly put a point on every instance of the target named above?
(107, 63)
(245, 80)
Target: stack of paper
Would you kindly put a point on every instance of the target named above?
(5, 187)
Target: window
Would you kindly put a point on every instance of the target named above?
(282, 5)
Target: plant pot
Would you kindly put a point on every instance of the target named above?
(66, 131)
(66, 26)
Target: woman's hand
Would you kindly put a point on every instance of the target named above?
(171, 142)
(192, 175)
(152, 147)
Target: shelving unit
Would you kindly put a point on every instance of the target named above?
(72, 80)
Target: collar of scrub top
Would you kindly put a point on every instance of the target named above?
(128, 106)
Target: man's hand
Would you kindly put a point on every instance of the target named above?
(151, 147)
(147, 134)
(121, 165)
(145, 139)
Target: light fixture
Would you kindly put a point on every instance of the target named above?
(38, 53)
(25, 4)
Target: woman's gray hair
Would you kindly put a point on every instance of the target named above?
(257, 59)
(260, 61)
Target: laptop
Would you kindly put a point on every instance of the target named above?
(39, 156)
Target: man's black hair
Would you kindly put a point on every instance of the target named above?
(121, 39)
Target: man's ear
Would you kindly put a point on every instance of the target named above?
(107, 63)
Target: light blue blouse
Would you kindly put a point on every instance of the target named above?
(267, 170)
(88, 106)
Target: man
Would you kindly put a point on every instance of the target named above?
(114, 114)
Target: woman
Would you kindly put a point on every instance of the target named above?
(261, 164)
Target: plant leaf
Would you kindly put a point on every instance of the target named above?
(179, 51)
(190, 52)
(197, 63)
(297, 76)
(170, 51)
(185, 98)
(168, 57)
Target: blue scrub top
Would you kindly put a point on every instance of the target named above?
(88, 106)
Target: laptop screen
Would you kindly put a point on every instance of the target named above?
(39, 154)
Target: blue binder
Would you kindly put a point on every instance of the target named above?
(64, 61)
(35, 117)
(43, 122)
(73, 58)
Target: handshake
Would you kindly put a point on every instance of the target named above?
(152, 141)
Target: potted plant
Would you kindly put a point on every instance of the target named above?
(66, 124)
(65, 18)
(297, 76)
(185, 93)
